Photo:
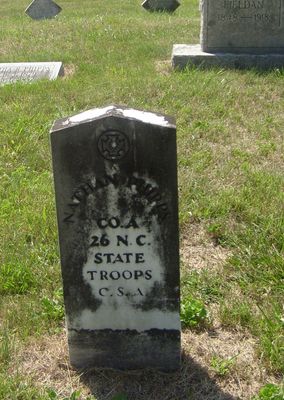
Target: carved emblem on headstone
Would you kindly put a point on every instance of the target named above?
(43, 9)
(113, 145)
(118, 229)
(161, 5)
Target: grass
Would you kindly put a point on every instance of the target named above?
(230, 161)
(193, 313)
(270, 392)
(222, 366)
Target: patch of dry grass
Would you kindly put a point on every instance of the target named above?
(46, 362)
(198, 251)
(69, 70)
(163, 67)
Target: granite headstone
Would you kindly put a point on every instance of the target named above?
(237, 33)
(29, 72)
(115, 179)
(43, 9)
(161, 5)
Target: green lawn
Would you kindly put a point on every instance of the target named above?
(230, 128)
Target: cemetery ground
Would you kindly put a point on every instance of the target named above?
(231, 202)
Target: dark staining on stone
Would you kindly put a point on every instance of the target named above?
(122, 206)
(156, 298)
(77, 294)
(132, 201)
(130, 349)
(91, 205)
(146, 194)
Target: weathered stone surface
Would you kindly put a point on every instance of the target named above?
(242, 26)
(28, 72)
(43, 9)
(116, 196)
(237, 34)
(161, 5)
(185, 55)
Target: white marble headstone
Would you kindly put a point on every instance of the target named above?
(29, 72)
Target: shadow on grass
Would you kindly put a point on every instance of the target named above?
(192, 382)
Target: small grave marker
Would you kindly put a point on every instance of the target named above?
(29, 72)
(237, 33)
(161, 5)
(43, 9)
(116, 196)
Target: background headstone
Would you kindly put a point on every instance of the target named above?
(243, 26)
(43, 9)
(116, 194)
(237, 33)
(161, 5)
(28, 72)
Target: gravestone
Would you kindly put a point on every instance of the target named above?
(161, 5)
(116, 196)
(43, 9)
(28, 72)
(237, 33)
